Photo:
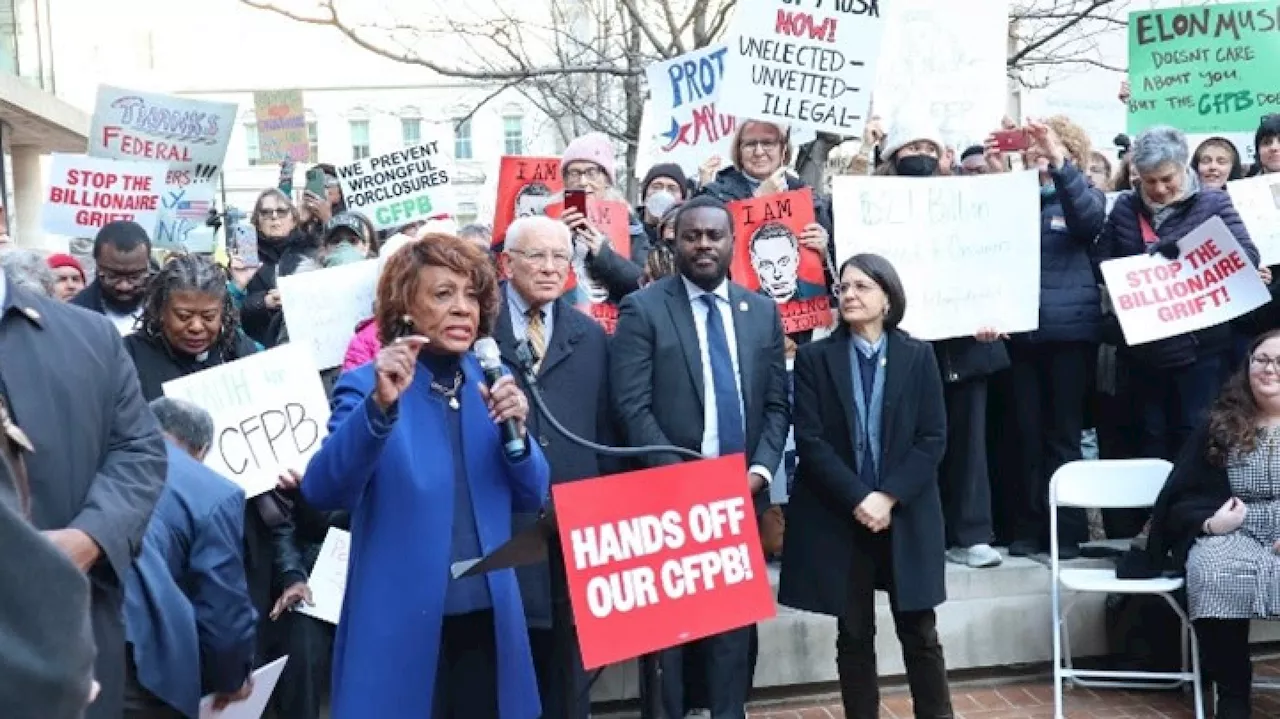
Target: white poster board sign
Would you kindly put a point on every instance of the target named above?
(269, 414)
(396, 188)
(322, 308)
(264, 684)
(967, 248)
(1257, 199)
(86, 193)
(803, 63)
(684, 123)
(329, 578)
(945, 61)
(1211, 282)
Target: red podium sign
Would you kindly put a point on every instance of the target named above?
(661, 557)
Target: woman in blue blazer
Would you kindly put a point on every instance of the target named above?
(415, 454)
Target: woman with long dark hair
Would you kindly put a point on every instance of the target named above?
(282, 246)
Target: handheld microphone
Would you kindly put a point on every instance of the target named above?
(491, 362)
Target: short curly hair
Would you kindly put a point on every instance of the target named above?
(401, 279)
(1073, 137)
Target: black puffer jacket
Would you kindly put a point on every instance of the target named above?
(279, 259)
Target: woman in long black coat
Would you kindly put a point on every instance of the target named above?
(866, 513)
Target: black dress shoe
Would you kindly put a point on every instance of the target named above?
(1023, 548)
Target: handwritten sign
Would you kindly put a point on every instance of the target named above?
(264, 685)
(329, 578)
(269, 414)
(400, 187)
(945, 61)
(661, 557)
(768, 257)
(282, 125)
(191, 136)
(967, 248)
(1211, 282)
(583, 289)
(805, 63)
(86, 193)
(686, 125)
(184, 212)
(1203, 69)
(1257, 199)
(322, 308)
(526, 186)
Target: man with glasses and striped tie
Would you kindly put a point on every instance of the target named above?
(571, 353)
(698, 362)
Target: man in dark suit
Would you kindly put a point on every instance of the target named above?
(98, 463)
(572, 352)
(697, 362)
(122, 253)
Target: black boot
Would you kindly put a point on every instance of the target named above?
(1232, 703)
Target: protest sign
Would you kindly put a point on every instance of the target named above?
(282, 125)
(264, 685)
(945, 61)
(1211, 282)
(400, 187)
(328, 580)
(769, 259)
(86, 193)
(1257, 199)
(661, 557)
(685, 122)
(584, 291)
(183, 220)
(321, 309)
(1204, 69)
(191, 136)
(269, 414)
(525, 187)
(803, 63)
(967, 248)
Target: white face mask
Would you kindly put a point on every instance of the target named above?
(659, 202)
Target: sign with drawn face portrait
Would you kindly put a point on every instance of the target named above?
(769, 258)
(584, 291)
(525, 187)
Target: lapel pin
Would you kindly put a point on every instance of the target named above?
(31, 314)
(742, 307)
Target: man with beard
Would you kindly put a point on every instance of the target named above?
(122, 253)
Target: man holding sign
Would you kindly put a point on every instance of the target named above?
(713, 351)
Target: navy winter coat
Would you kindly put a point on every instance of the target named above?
(1122, 237)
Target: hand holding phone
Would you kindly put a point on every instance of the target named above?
(245, 244)
(576, 200)
(316, 182)
(1012, 140)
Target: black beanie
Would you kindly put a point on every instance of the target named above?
(1267, 129)
(666, 169)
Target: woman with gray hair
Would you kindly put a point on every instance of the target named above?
(1174, 379)
(29, 270)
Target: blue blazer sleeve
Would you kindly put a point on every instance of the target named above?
(908, 479)
(358, 429)
(225, 618)
(530, 478)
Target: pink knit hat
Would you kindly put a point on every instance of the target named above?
(591, 147)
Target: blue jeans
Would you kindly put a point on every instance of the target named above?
(1171, 403)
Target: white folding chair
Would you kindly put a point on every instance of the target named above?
(1112, 484)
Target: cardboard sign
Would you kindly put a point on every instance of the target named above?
(264, 684)
(585, 292)
(966, 248)
(803, 63)
(1211, 282)
(191, 136)
(661, 557)
(686, 124)
(409, 185)
(945, 61)
(1203, 69)
(86, 193)
(269, 414)
(328, 580)
(1257, 199)
(282, 125)
(322, 308)
(526, 186)
(769, 259)
(183, 220)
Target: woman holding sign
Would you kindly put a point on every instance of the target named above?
(415, 454)
(866, 513)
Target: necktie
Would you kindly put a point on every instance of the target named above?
(728, 408)
(536, 333)
(867, 373)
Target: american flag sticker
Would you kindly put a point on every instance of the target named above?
(192, 209)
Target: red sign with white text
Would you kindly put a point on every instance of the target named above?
(525, 187)
(661, 557)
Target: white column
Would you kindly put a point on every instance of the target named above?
(28, 194)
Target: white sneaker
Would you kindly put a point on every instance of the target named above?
(698, 714)
(979, 556)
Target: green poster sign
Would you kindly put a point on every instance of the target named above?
(1213, 69)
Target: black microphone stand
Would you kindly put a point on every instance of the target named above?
(650, 669)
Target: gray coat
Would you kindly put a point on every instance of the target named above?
(99, 462)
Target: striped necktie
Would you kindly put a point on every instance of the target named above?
(536, 333)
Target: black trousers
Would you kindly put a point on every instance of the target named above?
(1224, 660)
(557, 658)
(872, 567)
(308, 642)
(1050, 382)
(467, 670)
(965, 482)
(139, 703)
(725, 666)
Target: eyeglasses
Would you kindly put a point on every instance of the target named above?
(555, 259)
(273, 212)
(1262, 363)
(590, 174)
(111, 277)
(859, 288)
(765, 145)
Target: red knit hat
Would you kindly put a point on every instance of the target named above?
(60, 260)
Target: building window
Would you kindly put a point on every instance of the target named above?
(251, 148)
(467, 213)
(513, 135)
(313, 142)
(359, 139)
(462, 140)
(411, 130)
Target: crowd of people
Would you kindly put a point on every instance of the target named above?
(908, 454)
